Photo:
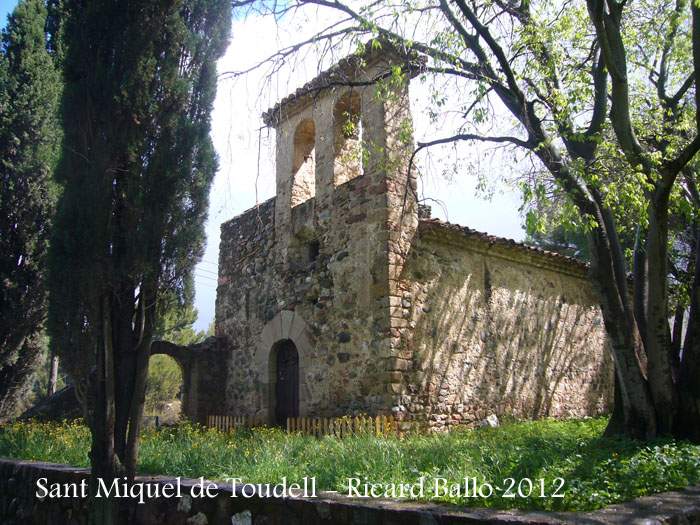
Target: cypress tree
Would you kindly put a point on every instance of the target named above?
(137, 165)
(29, 136)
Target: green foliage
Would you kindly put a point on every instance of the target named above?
(66, 442)
(597, 471)
(351, 125)
(552, 222)
(163, 383)
(30, 87)
(175, 321)
(146, 173)
(31, 386)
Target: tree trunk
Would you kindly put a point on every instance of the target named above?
(119, 407)
(142, 353)
(124, 364)
(658, 337)
(639, 273)
(676, 340)
(616, 423)
(104, 511)
(137, 404)
(632, 394)
(688, 425)
(53, 374)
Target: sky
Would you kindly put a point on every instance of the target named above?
(246, 149)
(6, 6)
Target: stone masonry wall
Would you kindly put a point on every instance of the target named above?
(497, 329)
(331, 296)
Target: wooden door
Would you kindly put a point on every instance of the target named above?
(286, 383)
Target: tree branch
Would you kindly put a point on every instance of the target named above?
(607, 27)
(676, 165)
(469, 136)
(461, 137)
(496, 49)
(426, 49)
(669, 41)
(600, 94)
(290, 50)
(695, 11)
(675, 99)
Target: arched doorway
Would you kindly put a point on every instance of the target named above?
(284, 361)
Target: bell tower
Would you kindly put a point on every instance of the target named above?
(351, 122)
(345, 213)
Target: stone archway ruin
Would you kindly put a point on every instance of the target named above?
(203, 376)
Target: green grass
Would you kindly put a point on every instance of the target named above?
(597, 471)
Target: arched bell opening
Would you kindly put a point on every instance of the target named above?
(347, 137)
(304, 163)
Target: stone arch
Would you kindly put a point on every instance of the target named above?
(347, 138)
(202, 374)
(304, 162)
(286, 325)
(178, 353)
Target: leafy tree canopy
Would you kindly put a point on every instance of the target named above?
(30, 88)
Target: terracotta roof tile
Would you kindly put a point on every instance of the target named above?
(510, 244)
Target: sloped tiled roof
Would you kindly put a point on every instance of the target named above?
(519, 250)
(345, 72)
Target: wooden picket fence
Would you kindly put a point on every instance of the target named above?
(315, 426)
(228, 423)
(343, 426)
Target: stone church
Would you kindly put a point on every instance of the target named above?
(340, 295)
